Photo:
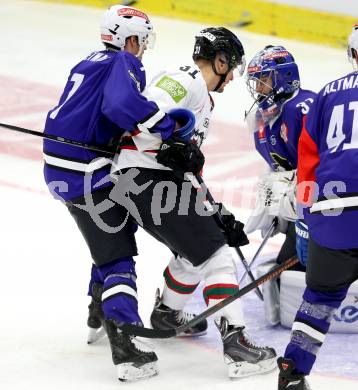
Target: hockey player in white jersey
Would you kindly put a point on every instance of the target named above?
(201, 248)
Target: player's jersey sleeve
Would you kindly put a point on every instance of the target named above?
(295, 115)
(124, 104)
(308, 155)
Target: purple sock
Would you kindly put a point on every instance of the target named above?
(119, 297)
(311, 324)
(95, 278)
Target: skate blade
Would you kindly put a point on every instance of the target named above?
(245, 369)
(95, 334)
(128, 372)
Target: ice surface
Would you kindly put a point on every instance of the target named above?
(44, 262)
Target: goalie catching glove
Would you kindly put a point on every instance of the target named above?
(275, 199)
(177, 152)
(233, 229)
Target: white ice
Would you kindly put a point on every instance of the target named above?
(44, 262)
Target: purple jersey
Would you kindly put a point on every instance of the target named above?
(277, 142)
(101, 100)
(328, 158)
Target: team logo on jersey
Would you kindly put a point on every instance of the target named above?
(280, 161)
(273, 140)
(261, 134)
(284, 132)
(198, 137)
(173, 87)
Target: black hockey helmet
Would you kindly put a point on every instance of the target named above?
(212, 40)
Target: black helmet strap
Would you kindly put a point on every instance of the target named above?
(222, 76)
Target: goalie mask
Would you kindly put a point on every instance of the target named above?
(120, 22)
(272, 77)
(213, 40)
(353, 45)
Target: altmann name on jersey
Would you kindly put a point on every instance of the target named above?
(348, 82)
(173, 87)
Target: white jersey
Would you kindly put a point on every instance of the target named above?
(181, 87)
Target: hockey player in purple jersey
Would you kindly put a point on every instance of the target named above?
(102, 99)
(327, 190)
(274, 82)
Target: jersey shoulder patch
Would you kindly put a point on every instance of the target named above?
(173, 87)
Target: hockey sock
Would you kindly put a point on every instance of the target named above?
(96, 277)
(311, 324)
(119, 297)
(219, 275)
(181, 280)
(219, 287)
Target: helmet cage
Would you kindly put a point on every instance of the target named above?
(277, 64)
(257, 82)
(353, 45)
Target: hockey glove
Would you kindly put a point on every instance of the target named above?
(181, 156)
(302, 236)
(233, 229)
(186, 121)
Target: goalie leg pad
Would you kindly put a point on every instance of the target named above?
(271, 293)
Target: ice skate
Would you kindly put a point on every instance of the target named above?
(163, 317)
(288, 380)
(95, 315)
(242, 356)
(132, 358)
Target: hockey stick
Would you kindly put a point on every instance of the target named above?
(218, 218)
(167, 333)
(94, 148)
(264, 240)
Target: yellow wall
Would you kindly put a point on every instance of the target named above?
(252, 15)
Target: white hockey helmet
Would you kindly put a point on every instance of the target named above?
(353, 44)
(120, 22)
